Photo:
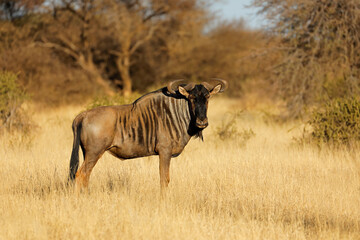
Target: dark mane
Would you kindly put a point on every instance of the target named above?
(156, 91)
(161, 90)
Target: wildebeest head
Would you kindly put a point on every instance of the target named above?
(198, 96)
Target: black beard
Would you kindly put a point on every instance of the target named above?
(193, 130)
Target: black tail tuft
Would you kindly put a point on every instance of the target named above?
(74, 161)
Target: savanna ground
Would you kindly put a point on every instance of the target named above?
(264, 187)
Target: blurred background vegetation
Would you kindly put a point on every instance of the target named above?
(72, 51)
(65, 51)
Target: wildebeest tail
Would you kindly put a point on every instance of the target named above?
(74, 160)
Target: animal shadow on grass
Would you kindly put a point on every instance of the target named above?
(115, 183)
(38, 186)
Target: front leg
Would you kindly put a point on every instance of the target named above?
(164, 168)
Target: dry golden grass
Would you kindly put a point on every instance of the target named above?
(268, 188)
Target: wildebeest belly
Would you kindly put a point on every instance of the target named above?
(128, 151)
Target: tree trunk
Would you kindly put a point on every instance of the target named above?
(123, 65)
(89, 66)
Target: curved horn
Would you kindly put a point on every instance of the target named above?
(173, 86)
(214, 82)
(189, 86)
(208, 86)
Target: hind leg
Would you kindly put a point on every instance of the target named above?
(83, 174)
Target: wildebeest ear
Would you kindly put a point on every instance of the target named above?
(183, 92)
(216, 89)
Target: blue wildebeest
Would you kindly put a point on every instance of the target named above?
(158, 123)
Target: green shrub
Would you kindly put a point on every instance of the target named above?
(338, 122)
(12, 97)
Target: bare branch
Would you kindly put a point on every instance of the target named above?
(158, 12)
(115, 53)
(144, 40)
(58, 47)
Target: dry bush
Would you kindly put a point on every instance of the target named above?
(319, 47)
(12, 98)
(229, 129)
(15, 123)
